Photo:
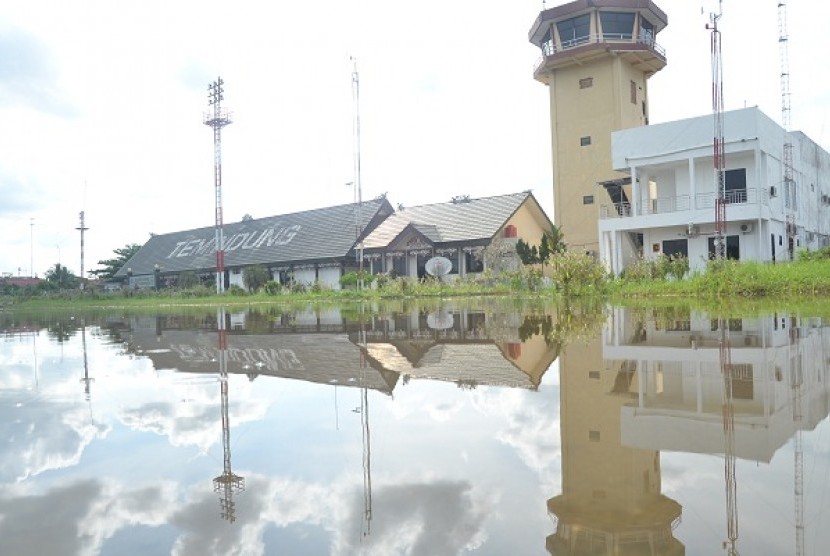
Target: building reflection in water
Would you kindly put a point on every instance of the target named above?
(684, 382)
(365, 351)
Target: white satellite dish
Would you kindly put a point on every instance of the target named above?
(438, 266)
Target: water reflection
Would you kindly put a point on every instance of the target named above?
(418, 430)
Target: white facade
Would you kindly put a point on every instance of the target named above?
(670, 199)
(677, 383)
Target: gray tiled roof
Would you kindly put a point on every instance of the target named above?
(309, 236)
(475, 219)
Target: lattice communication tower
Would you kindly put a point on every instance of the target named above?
(218, 118)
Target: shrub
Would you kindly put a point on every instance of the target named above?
(272, 287)
(236, 290)
(577, 272)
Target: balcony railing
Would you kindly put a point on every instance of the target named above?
(550, 47)
(664, 205)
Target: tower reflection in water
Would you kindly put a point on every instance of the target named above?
(611, 501)
(685, 382)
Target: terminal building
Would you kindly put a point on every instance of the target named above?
(321, 245)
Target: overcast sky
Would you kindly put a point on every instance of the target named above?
(102, 103)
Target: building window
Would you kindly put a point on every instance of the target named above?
(734, 182)
(733, 251)
(585, 141)
(574, 31)
(633, 92)
(586, 82)
(617, 25)
(594, 375)
(473, 263)
(588, 200)
(646, 31)
(676, 248)
(593, 436)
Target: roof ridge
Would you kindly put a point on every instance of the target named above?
(472, 199)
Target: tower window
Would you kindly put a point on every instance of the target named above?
(574, 31)
(633, 92)
(617, 25)
(585, 141)
(588, 200)
(586, 82)
(646, 31)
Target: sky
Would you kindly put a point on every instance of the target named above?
(102, 105)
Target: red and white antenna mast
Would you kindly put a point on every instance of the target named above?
(719, 157)
(217, 119)
(790, 197)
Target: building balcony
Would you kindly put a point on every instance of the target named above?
(642, 52)
(682, 203)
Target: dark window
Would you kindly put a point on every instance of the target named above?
(574, 31)
(593, 436)
(399, 266)
(676, 248)
(633, 93)
(588, 200)
(586, 82)
(473, 263)
(593, 375)
(585, 141)
(617, 25)
(733, 250)
(646, 31)
(734, 182)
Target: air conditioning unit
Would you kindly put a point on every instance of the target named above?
(746, 228)
(772, 191)
(692, 230)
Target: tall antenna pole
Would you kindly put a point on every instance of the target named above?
(217, 119)
(719, 160)
(790, 200)
(82, 228)
(32, 247)
(790, 197)
(358, 185)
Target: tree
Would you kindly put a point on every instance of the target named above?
(111, 266)
(255, 276)
(59, 277)
(551, 243)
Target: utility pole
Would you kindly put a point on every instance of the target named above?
(217, 119)
(32, 247)
(357, 184)
(82, 228)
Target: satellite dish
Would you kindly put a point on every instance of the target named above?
(438, 266)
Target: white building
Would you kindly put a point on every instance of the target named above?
(666, 205)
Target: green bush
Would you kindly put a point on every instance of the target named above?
(272, 287)
(578, 273)
(236, 290)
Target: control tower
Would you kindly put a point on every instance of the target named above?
(597, 56)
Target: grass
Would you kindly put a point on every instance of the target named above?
(724, 283)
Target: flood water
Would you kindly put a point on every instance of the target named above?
(457, 427)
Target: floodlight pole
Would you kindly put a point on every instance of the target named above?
(217, 119)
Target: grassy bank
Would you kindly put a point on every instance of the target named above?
(732, 279)
(723, 283)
